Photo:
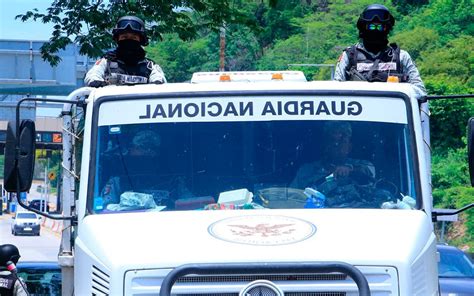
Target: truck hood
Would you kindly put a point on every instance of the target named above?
(169, 239)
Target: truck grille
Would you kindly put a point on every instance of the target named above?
(278, 278)
(268, 277)
(383, 281)
(286, 294)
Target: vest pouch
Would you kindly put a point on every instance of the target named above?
(378, 77)
(355, 75)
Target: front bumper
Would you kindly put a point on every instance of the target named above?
(381, 280)
(27, 229)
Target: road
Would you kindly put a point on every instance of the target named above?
(32, 248)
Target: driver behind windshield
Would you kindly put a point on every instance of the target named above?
(144, 180)
(336, 174)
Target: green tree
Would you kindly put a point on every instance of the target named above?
(417, 41)
(320, 39)
(180, 59)
(449, 70)
(406, 6)
(86, 22)
(449, 18)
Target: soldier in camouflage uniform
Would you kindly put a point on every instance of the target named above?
(10, 283)
(374, 59)
(344, 180)
(127, 61)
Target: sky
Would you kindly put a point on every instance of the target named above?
(18, 30)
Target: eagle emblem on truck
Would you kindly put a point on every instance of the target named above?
(262, 230)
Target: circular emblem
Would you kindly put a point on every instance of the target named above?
(262, 230)
(51, 176)
(261, 288)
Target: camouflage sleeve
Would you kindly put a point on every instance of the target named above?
(363, 167)
(343, 62)
(18, 289)
(157, 76)
(409, 68)
(97, 72)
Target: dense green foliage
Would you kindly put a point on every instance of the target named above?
(84, 22)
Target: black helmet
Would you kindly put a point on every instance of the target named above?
(376, 11)
(130, 24)
(9, 252)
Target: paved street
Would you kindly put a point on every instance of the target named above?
(32, 248)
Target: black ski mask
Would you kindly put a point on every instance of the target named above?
(130, 51)
(374, 41)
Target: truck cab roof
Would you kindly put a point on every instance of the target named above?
(349, 87)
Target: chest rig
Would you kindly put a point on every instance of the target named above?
(115, 66)
(367, 67)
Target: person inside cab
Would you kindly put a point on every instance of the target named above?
(374, 59)
(10, 283)
(141, 171)
(335, 173)
(127, 64)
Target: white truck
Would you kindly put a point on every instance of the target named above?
(236, 188)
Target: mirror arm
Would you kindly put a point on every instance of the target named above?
(73, 219)
(20, 202)
(435, 214)
(425, 99)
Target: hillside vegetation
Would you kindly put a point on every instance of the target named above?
(439, 35)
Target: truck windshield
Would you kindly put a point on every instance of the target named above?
(280, 164)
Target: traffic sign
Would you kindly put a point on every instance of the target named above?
(51, 176)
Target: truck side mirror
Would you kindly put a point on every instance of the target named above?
(470, 147)
(19, 166)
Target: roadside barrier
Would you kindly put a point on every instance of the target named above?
(53, 225)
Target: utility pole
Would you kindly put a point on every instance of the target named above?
(46, 202)
(222, 49)
(44, 194)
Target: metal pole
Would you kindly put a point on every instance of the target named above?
(45, 188)
(222, 50)
(46, 202)
(441, 239)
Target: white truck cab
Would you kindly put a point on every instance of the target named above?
(242, 188)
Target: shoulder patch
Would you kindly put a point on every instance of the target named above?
(340, 57)
(98, 61)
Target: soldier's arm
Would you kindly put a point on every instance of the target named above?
(340, 73)
(363, 167)
(96, 73)
(18, 289)
(157, 76)
(410, 69)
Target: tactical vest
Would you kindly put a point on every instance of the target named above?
(7, 284)
(363, 66)
(143, 68)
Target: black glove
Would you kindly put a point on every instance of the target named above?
(97, 83)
